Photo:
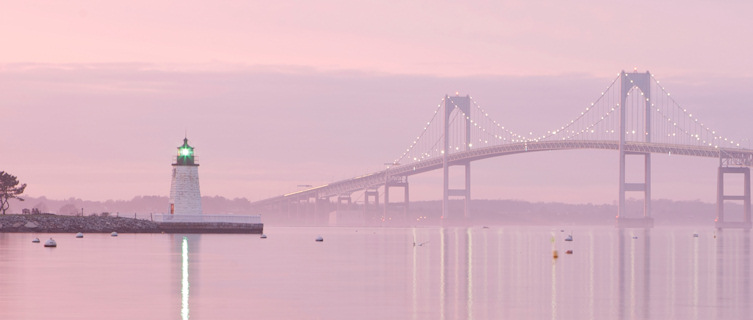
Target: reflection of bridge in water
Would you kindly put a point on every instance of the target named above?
(635, 116)
(630, 274)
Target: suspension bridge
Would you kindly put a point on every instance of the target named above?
(635, 115)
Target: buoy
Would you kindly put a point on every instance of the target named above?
(36, 240)
(263, 236)
(319, 239)
(114, 234)
(79, 235)
(554, 254)
(50, 243)
(569, 251)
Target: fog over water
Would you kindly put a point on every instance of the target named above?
(420, 213)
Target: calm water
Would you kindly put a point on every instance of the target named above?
(377, 273)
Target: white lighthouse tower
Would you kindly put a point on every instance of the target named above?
(185, 196)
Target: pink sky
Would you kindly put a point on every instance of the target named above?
(95, 96)
(427, 37)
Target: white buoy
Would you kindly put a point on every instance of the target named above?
(36, 240)
(114, 234)
(79, 235)
(50, 243)
(319, 239)
(263, 236)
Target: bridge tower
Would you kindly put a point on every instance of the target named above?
(464, 105)
(642, 81)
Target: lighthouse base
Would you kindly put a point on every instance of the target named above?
(210, 227)
(206, 223)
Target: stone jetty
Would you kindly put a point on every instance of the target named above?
(50, 223)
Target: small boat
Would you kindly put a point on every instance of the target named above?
(695, 235)
(114, 234)
(263, 236)
(635, 237)
(569, 252)
(569, 237)
(50, 243)
(35, 240)
(319, 239)
(79, 235)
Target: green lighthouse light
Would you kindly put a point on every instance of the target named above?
(185, 154)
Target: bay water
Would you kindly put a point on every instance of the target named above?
(382, 273)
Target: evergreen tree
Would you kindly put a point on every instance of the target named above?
(9, 189)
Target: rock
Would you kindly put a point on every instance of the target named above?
(31, 224)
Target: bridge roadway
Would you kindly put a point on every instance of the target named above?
(743, 157)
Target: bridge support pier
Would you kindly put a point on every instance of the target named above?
(301, 208)
(623, 221)
(464, 193)
(321, 208)
(721, 197)
(367, 196)
(343, 199)
(399, 182)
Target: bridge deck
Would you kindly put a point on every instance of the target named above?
(742, 157)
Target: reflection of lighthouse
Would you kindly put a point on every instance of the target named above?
(185, 247)
(185, 196)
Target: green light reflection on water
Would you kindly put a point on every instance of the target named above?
(184, 282)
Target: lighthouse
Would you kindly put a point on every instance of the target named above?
(185, 214)
(185, 196)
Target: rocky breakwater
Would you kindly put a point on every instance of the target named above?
(68, 224)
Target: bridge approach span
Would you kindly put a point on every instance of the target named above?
(743, 157)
